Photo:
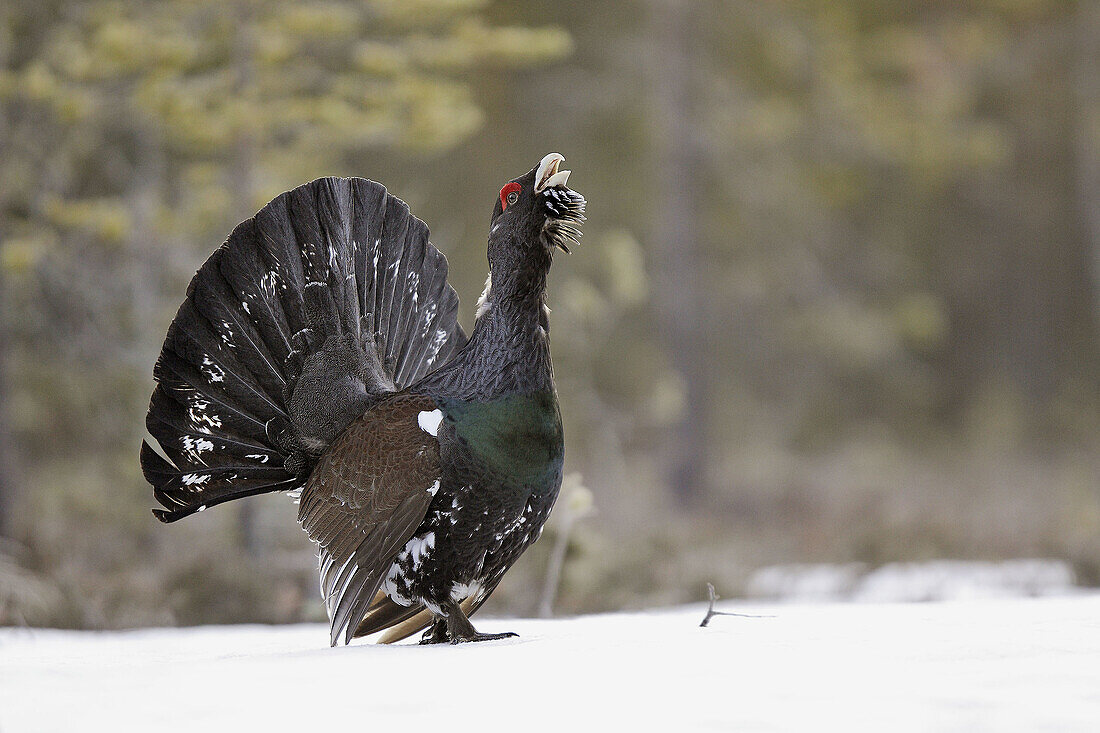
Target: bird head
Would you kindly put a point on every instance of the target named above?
(538, 209)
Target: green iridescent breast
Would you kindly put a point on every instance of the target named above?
(517, 438)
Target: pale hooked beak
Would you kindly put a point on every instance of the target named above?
(548, 175)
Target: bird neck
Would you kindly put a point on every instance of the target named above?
(515, 291)
(509, 350)
(513, 300)
(512, 324)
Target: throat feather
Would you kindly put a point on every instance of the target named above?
(483, 303)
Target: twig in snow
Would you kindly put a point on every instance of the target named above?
(711, 613)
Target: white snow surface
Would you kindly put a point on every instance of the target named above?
(940, 580)
(976, 665)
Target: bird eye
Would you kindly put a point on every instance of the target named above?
(509, 194)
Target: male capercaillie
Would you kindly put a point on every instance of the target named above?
(318, 351)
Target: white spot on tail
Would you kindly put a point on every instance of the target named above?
(440, 339)
(429, 421)
(200, 417)
(212, 371)
(433, 488)
(268, 283)
(227, 335)
(429, 316)
(196, 447)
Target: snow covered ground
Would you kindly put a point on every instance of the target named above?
(939, 580)
(980, 665)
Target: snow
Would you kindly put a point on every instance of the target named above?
(940, 580)
(1022, 664)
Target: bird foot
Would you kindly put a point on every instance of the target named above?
(436, 634)
(458, 628)
(478, 636)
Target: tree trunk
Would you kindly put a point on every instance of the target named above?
(9, 475)
(1086, 78)
(8, 472)
(243, 187)
(678, 263)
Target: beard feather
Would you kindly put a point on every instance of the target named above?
(563, 230)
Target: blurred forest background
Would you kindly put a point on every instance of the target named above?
(838, 297)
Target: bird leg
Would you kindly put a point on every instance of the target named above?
(460, 630)
(436, 633)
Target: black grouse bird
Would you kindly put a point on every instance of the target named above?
(318, 352)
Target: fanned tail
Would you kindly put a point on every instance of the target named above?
(328, 298)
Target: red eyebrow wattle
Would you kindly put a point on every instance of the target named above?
(508, 188)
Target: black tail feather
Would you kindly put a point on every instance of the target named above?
(329, 295)
(194, 342)
(184, 445)
(215, 300)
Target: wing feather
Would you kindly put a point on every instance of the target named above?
(365, 500)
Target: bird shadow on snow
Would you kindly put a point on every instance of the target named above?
(361, 647)
(490, 644)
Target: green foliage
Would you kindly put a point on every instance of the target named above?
(134, 136)
(894, 289)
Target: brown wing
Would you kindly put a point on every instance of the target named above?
(364, 501)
